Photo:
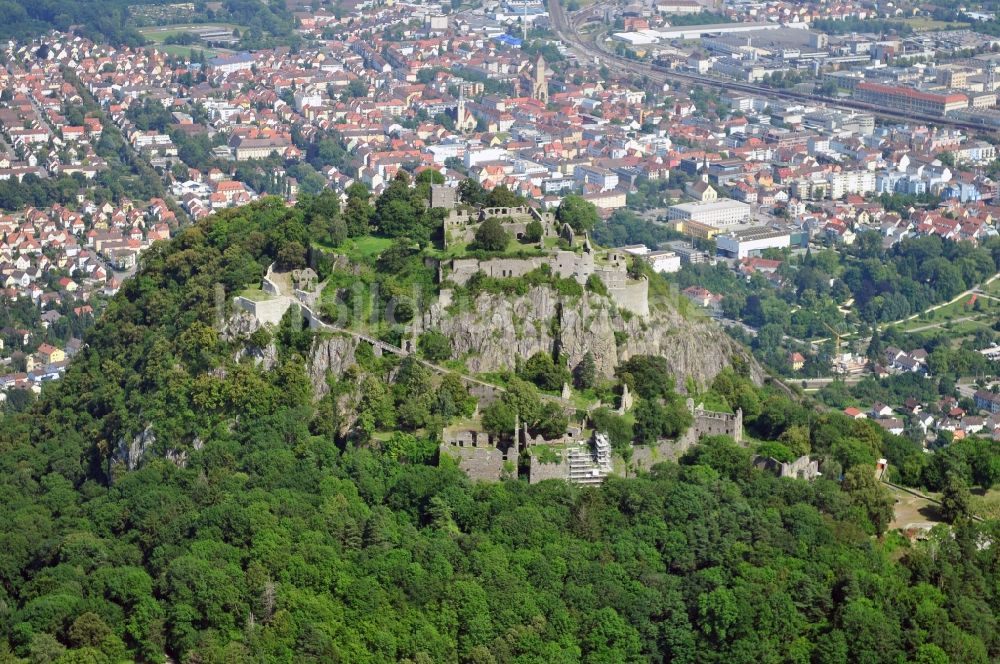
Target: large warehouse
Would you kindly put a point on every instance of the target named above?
(902, 98)
(699, 31)
(750, 242)
(721, 213)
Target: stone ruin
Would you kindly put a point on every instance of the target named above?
(461, 224)
(612, 270)
(443, 196)
(590, 461)
(479, 454)
(583, 462)
(305, 279)
(802, 468)
(705, 423)
(714, 423)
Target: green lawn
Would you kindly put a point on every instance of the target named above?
(359, 248)
(924, 23)
(159, 34)
(256, 294)
(365, 247)
(180, 51)
(957, 310)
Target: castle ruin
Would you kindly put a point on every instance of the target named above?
(802, 468)
(461, 224)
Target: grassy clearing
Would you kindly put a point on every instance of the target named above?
(181, 51)
(360, 248)
(924, 23)
(366, 247)
(959, 314)
(256, 295)
(159, 34)
(910, 510)
(986, 505)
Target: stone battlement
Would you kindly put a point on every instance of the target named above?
(629, 295)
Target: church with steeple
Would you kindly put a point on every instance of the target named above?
(539, 84)
(464, 120)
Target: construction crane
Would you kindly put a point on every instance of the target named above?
(837, 336)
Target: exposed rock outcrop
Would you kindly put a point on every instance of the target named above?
(493, 330)
(131, 454)
(330, 355)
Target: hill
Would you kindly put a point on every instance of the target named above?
(252, 526)
(113, 21)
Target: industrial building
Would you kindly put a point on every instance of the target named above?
(751, 242)
(721, 213)
(902, 98)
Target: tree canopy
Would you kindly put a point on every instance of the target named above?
(172, 495)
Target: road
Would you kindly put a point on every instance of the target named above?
(975, 290)
(819, 383)
(567, 28)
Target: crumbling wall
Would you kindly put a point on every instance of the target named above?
(268, 311)
(539, 472)
(802, 468)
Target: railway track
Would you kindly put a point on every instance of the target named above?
(567, 28)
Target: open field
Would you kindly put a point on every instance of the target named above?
(159, 34)
(360, 248)
(986, 505)
(181, 51)
(924, 23)
(912, 511)
(959, 314)
(366, 247)
(256, 294)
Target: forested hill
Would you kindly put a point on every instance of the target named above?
(110, 21)
(273, 540)
(100, 20)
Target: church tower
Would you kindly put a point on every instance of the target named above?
(464, 121)
(460, 111)
(540, 88)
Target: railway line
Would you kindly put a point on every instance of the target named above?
(567, 28)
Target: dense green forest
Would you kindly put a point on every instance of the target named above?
(109, 21)
(99, 20)
(256, 532)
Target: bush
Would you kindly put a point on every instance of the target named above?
(543, 372)
(533, 231)
(776, 451)
(491, 236)
(434, 346)
(595, 285)
(552, 422)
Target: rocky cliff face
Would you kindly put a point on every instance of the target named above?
(239, 328)
(333, 355)
(493, 330)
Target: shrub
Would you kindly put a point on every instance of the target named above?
(434, 346)
(491, 236)
(533, 231)
(595, 285)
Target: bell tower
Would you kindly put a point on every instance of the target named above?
(540, 88)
